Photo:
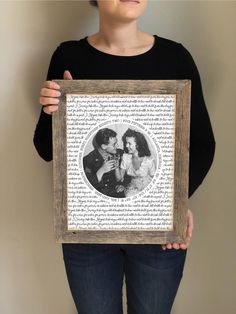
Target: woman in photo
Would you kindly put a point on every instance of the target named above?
(120, 50)
(136, 162)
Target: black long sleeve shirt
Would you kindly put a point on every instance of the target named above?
(166, 60)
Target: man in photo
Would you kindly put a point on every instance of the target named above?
(101, 163)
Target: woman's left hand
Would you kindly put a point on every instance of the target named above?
(189, 231)
(120, 188)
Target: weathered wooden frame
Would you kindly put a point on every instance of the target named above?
(182, 90)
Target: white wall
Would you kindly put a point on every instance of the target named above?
(32, 272)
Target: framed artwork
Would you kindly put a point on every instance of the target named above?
(120, 161)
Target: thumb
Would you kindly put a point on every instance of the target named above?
(67, 75)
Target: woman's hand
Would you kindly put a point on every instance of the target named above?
(189, 231)
(49, 94)
(120, 188)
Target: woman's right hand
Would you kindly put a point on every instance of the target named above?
(49, 94)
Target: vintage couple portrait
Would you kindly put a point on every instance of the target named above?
(119, 161)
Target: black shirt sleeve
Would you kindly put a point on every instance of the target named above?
(43, 132)
(202, 143)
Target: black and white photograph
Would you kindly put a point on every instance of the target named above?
(122, 161)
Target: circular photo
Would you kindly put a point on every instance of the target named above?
(120, 160)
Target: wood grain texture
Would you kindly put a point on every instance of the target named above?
(182, 90)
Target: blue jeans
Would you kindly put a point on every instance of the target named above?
(95, 274)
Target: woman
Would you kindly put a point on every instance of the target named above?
(136, 162)
(119, 50)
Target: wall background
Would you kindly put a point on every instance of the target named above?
(32, 271)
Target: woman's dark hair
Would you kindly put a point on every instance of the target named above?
(93, 3)
(103, 136)
(141, 143)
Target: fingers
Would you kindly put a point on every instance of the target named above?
(184, 246)
(120, 188)
(67, 75)
(175, 246)
(51, 85)
(50, 109)
(167, 246)
(46, 92)
(190, 225)
(50, 89)
(49, 94)
(49, 104)
(111, 164)
(189, 232)
(47, 101)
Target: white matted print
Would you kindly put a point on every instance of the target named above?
(120, 162)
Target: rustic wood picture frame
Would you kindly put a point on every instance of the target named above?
(182, 91)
